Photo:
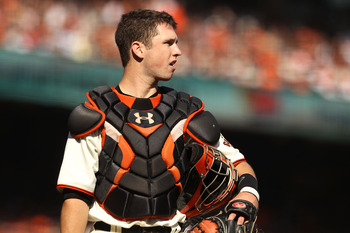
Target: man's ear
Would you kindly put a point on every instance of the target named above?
(138, 50)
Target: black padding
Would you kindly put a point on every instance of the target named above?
(109, 145)
(136, 140)
(142, 104)
(101, 104)
(162, 183)
(191, 185)
(169, 96)
(164, 109)
(173, 119)
(183, 97)
(96, 95)
(83, 119)
(101, 90)
(102, 189)
(161, 206)
(179, 147)
(157, 139)
(118, 156)
(195, 104)
(139, 166)
(115, 120)
(165, 205)
(183, 103)
(112, 172)
(104, 161)
(117, 207)
(158, 165)
(183, 165)
(138, 206)
(121, 109)
(136, 184)
(205, 128)
(110, 98)
(172, 197)
(195, 152)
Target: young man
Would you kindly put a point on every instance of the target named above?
(131, 147)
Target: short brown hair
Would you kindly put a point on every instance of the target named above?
(139, 25)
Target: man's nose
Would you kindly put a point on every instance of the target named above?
(177, 51)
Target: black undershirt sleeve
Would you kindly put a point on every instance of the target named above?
(71, 193)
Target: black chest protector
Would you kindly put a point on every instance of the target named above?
(141, 166)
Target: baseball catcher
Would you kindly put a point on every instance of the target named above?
(144, 158)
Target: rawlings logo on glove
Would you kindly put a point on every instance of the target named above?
(239, 205)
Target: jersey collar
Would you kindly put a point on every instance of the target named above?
(138, 103)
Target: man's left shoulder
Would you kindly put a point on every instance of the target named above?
(184, 101)
(204, 128)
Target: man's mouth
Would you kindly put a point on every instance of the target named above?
(172, 64)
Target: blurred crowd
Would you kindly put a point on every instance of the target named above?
(34, 224)
(221, 45)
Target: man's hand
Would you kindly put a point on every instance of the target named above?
(245, 196)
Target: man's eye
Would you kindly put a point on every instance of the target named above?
(170, 42)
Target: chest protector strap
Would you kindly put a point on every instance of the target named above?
(141, 166)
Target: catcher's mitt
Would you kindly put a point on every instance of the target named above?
(219, 223)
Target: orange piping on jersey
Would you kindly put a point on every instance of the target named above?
(167, 151)
(128, 154)
(127, 100)
(75, 188)
(239, 161)
(144, 131)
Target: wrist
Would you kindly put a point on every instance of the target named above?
(252, 191)
(248, 183)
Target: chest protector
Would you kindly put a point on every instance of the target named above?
(141, 166)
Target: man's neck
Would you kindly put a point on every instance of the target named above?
(137, 86)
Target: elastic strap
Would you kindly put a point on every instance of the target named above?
(248, 183)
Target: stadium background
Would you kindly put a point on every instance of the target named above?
(275, 73)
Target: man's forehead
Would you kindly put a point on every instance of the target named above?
(166, 30)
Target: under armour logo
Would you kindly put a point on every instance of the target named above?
(145, 118)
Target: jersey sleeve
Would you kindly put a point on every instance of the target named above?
(229, 151)
(80, 162)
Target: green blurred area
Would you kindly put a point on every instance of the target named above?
(57, 82)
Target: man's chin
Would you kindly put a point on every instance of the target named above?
(164, 78)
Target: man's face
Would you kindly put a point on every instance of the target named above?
(161, 57)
